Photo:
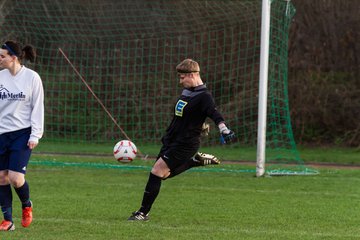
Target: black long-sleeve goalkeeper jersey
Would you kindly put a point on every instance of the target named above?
(190, 111)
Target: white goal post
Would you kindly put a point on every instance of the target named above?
(263, 85)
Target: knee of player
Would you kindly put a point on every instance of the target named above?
(160, 169)
(161, 173)
(16, 179)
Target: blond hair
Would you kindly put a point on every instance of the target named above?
(188, 66)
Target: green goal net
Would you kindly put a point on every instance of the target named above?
(126, 51)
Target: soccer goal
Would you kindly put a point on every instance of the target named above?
(127, 52)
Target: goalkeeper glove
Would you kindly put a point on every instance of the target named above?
(226, 135)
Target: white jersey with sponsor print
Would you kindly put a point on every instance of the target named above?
(22, 102)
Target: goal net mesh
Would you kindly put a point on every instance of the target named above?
(127, 52)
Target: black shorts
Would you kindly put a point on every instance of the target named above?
(176, 156)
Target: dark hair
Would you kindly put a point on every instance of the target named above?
(27, 52)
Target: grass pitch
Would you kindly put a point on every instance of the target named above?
(90, 198)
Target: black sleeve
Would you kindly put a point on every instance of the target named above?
(211, 110)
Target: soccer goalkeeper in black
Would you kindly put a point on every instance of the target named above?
(182, 139)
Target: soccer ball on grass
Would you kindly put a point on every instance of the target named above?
(125, 151)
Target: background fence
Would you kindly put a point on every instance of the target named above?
(127, 52)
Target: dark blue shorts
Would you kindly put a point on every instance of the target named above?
(14, 152)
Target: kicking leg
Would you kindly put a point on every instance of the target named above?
(200, 159)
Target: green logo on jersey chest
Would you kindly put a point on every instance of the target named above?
(179, 108)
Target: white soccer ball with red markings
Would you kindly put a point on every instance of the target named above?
(125, 151)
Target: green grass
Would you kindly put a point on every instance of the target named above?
(91, 196)
(87, 202)
(331, 155)
(228, 152)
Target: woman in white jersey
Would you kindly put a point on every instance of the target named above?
(21, 127)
